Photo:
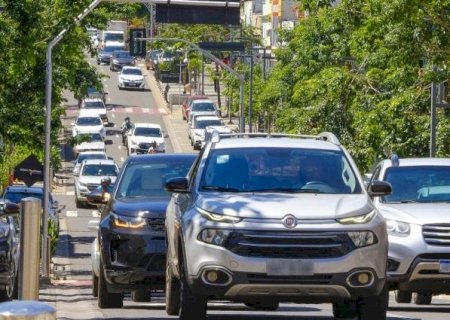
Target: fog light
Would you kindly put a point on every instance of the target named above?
(212, 276)
(363, 278)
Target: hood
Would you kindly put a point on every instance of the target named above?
(275, 205)
(88, 129)
(139, 139)
(147, 207)
(94, 112)
(220, 129)
(131, 77)
(95, 179)
(124, 60)
(417, 213)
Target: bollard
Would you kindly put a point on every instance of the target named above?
(26, 310)
(30, 214)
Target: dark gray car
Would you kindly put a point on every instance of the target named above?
(121, 58)
(105, 54)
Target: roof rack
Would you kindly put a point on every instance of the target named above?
(325, 136)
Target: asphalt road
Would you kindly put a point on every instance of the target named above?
(71, 292)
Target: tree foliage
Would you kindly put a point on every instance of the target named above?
(362, 69)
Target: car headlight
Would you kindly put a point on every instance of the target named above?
(82, 184)
(115, 61)
(362, 238)
(218, 217)
(217, 237)
(4, 230)
(127, 222)
(361, 219)
(398, 228)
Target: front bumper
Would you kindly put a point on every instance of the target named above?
(133, 259)
(132, 84)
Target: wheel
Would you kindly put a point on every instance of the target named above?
(192, 307)
(344, 309)
(7, 293)
(263, 305)
(141, 295)
(402, 296)
(422, 298)
(172, 292)
(375, 307)
(94, 285)
(107, 300)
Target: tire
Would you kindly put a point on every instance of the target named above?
(192, 307)
(172, 292)
(402, 296)
(94, 285)
(141, 295)
(375, 307)
(7, 293)
(345, 309)
(422, 298)
(78, 203)
(263, 305)
(107, 300)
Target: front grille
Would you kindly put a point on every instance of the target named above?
(156, 224)
(289, 245)
(265, 279)
(144, 145)
(92, 187)
(436, 234)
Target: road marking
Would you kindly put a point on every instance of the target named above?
(70, 193)
(119, 146)
(128, 109)
(113, 115)
(95, 213)
(122, 159)
(72, 213)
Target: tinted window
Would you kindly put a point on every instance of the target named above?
(89, 121)
(99, 170)
(94, 105)
(202, 124)
(132, 71)
(147, 132)
(418, 183)
(203, 106)
(278, 170)
(82, 157)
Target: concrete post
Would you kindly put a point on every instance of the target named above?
(30, 211)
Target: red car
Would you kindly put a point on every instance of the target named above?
(186, 105)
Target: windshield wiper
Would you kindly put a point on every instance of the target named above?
(288, 190)
(224, 189)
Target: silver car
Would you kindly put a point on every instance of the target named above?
(264, 218)
(418, 222)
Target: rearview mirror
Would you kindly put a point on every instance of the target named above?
(8, 208)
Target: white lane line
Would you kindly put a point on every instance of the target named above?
(113, 115)
(128, 110)
(95, 213)
(72, 213)
(70, 193)
(119, 146)
(122, 159)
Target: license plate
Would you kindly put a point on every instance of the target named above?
(289, 268)
(444, 266)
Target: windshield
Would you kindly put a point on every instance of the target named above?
(94, 105)
(114, 37)
(16, 197)
(137, 72)
(203, 106)
(147, 132)
(278, 170)
(99, 170)
(89, 121)
(202, 124)
(89, 137)
(418, 184)
(122, 54)
(148, 179)
(112, 48)
(82, 157)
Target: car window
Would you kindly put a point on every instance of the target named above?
(203, 107)
(202, 124)
(94, 105)
(278, 169)
(418, 184)
(82, 157)
(89, 121)
(147, 132)
(99, 170)
(89, 137)
(137, 72)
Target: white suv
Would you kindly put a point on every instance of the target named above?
(143, 135)
(266, 218)
(94, 107)
(418, 222)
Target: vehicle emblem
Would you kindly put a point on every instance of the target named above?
(289, 221)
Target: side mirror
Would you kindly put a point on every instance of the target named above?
(8, 208)
(379, 188)
(179, 185)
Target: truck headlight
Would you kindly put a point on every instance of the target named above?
(362, 238)
(217, 237)
(361, 219)
(215, 217)
(127, 222)
(398, 228)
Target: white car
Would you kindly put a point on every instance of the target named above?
(131, 78)
(143, 135)
(84, 156)
(197, 129)
(88, 123)
(92, 172)
(206, 106)
(89, 141)
(94, 107)
(219, 129)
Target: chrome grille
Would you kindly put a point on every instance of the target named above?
(92, 187)
(273, 244)
(436, 234)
